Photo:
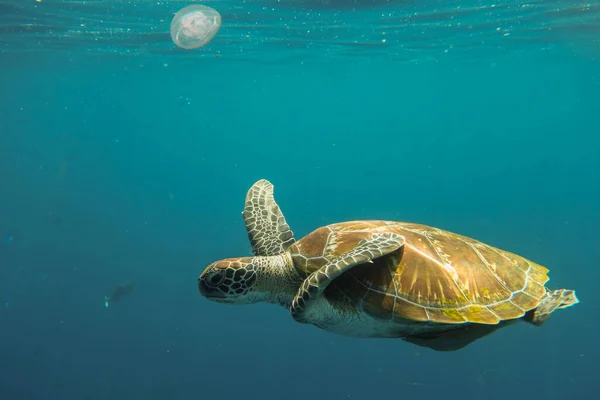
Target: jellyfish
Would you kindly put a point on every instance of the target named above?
(194, 26)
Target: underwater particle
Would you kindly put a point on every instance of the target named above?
(8, 240)
(118, 293)
(184, 101)
(194, 26)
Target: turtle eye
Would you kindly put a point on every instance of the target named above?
(215, 278)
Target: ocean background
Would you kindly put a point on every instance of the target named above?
(124, 159)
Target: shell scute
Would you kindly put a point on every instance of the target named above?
(534, 289)
(445, 315)
(525, 301)
(508, 270)
(538, 273)
(410, 311)
(420, 279)
(479, 314)
(507, 310)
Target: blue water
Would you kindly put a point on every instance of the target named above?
(125, 159)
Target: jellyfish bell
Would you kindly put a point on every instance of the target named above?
(194, 26)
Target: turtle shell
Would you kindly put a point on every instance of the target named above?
(437, 276)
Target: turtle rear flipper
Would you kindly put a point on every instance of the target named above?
(555, 299)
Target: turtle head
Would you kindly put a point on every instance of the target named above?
(230, 281)
(250, 280)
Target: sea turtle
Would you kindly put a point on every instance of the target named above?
(430, 287)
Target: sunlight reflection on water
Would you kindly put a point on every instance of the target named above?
(306, 29)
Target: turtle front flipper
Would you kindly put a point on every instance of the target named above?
(374, 246)
(269, 233)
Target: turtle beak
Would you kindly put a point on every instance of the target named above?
(209, 292)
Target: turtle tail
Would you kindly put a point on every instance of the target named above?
(553, 300)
